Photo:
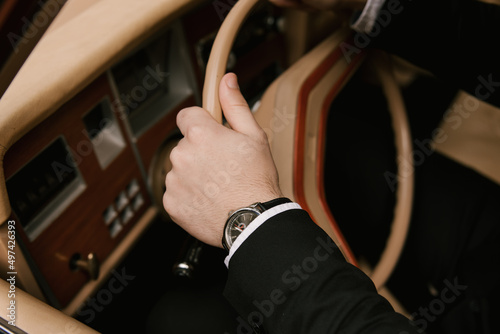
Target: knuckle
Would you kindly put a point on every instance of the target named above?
(196, 133)
(180, 157)
(166, 202)
(174, 155)
(169, 204)
(187, 114)
(181, 115)
(169, 181)
(170, 209)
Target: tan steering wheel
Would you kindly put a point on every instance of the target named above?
(216, 69)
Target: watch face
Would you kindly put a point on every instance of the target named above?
(237, 223)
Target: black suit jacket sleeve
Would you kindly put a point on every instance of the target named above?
(457, 40)
(289, 277)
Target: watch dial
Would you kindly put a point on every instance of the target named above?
(238, 224)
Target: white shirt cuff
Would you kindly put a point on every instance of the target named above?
(255, 225)
(365, 22)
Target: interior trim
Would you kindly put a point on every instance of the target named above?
(300, 138)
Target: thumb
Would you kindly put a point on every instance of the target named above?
(235, 107)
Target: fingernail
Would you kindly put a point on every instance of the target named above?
(232, 82)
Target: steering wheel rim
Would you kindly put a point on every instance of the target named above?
(217, 62)
(216, 69)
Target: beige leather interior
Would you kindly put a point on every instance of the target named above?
(313, 153)
(34, 316)
(277, 115)
(278, 99)
(470, 134)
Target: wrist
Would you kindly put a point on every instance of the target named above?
(241, 218)
(265, 218)
(275, 202)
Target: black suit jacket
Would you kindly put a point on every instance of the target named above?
(289, 277)
(457, 40)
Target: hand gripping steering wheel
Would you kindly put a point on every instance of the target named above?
(216, 69)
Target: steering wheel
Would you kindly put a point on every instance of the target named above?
(216, 69)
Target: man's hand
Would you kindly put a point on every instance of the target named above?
(321, 4)
(216, 169)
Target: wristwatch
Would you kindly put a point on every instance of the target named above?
(240, 219)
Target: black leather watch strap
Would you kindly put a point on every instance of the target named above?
(277, 201)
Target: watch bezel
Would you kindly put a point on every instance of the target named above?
(226, 239)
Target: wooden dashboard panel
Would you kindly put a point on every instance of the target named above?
(80, 228)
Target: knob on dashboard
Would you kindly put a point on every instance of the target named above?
(90, 264)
